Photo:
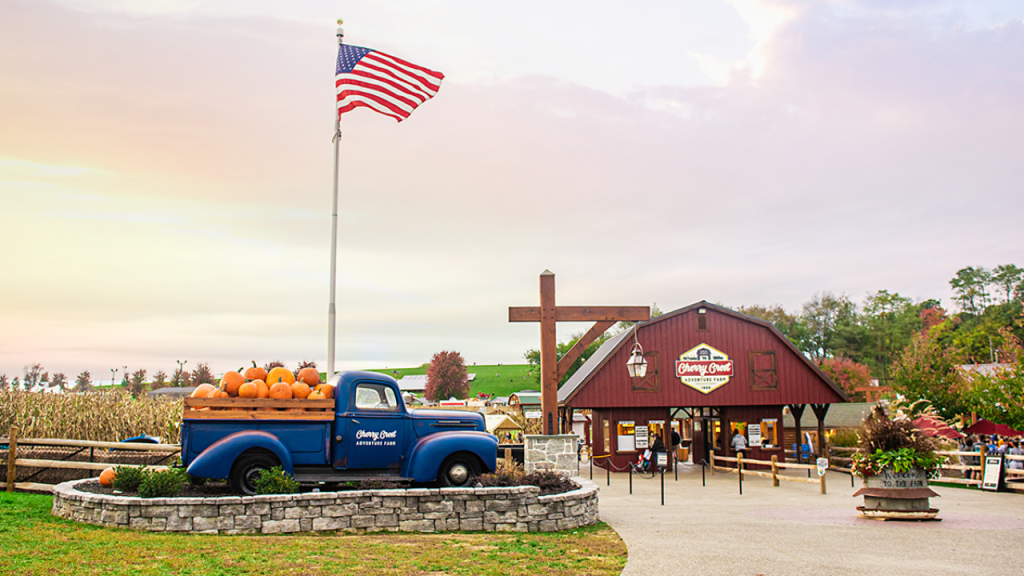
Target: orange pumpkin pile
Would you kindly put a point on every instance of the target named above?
(279, 383)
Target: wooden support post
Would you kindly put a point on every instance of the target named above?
(739, 469)
(508, 456)
(821, 481)
(548, 354)
(798, 413)
(712, 462)
(775, 470)
(12, 455)
(981, 462)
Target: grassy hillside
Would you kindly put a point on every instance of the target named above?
(490, 379)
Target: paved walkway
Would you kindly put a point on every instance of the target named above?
(793, 529)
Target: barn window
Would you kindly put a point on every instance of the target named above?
(762, 370)
(650, 382)
(702, 322)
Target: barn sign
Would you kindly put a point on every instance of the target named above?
(704, 368)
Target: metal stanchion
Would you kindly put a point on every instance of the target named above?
(591, 465)
(739, 469)
(630, 479)
(703, 482)
(608, 467)
(662, 486)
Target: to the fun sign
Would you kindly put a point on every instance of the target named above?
(704, 368)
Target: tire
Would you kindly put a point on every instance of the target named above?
(247, 469)
(458, 470)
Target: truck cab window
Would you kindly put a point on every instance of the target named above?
(375, 397)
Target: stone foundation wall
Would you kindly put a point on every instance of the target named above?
(516, 508)
(555, 452)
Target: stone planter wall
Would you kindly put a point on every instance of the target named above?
(414, 510)
(556, 452)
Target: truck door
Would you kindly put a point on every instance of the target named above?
(376, 427)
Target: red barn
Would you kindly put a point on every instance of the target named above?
(711, 372)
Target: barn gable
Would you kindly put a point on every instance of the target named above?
(766, 369)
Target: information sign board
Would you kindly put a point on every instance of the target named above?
(754, 435)
(640, 435)
(662, 459)
(822, 466)
(533, 414)
(992, 472)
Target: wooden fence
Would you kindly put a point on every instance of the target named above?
(954, 465)
(774, 474)
(13, 461)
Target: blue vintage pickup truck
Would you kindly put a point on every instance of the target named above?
(369, 434)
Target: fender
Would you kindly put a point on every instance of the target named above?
(217, 460)
(426, 455)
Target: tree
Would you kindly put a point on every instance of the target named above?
(1010, 279)
(821, 316)
(971, 287)
(998, 395)
(159, 380)
(4, 382)
(202, 374)
(15, 384)
(446, 377)
(788, 324)
(181, 377)
(33, 376)
(929, 370)
(83, 382)
(532, 356)
(60, 381)
(848, 374)
(892, 320)
(137, 382)
(625, 324)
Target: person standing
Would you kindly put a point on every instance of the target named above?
(739, 444)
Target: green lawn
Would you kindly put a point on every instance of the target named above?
(490, 379)
(34, 542)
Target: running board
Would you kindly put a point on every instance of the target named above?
(314, 475)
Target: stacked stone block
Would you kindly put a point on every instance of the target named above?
(556, 452)
(516, 508)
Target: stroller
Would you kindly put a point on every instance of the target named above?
(643, 464)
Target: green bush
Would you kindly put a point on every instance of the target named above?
(845, 438)
(276, 481)
(163, 484)
(128, 478)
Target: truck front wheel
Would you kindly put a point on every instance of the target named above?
(458, 470)
(247, 469)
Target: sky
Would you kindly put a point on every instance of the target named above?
(166, 169)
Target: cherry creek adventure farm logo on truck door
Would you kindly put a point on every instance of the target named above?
(704, 368)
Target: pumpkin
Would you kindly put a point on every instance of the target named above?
(327, 390)
(203, 390)
(249, 390)
(310, 376)
(255, 373)
(262, 390)
(316, 395)
(231, 382)
(107, 477)
(219, 393)
(281, 390)
(300, 390)
(280, 374)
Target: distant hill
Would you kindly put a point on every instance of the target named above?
(496, 380)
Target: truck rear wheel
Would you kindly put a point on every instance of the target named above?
(458, 470)
(247, 469)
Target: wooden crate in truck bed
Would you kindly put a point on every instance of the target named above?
(257, 409)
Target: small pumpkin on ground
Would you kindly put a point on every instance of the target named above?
(107, 477)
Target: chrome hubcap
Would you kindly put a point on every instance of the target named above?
(458, 474)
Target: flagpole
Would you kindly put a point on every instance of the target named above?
(331, 312)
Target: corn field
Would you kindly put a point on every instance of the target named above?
(104, 416)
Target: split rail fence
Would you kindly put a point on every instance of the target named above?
(954, 465)
(105, 452)
(774, 475)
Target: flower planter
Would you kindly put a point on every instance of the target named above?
(894, 495)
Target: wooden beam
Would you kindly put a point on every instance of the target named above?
(820, 411)
(797, 410)
(548, 355)
(581, 345)
(582, 313)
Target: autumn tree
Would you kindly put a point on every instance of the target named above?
(4, 382)
(159, 380)
(137, 382)
(446, 377)
(33, 376)
(83, 382)
(787, 323)
(59, 381)
(849, 375)
(532, 356)
(202, 374)
(998, 394)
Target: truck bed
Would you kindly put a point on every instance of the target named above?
(258, 409)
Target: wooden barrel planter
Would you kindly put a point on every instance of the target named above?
(897, 496)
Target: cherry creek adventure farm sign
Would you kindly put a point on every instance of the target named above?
(704, 368)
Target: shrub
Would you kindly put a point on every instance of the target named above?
(845, 438)
(893, 443)
(549, 482)
(276, 481)
(374, 485)
(128, 478)
(162, 484)
(506, 473)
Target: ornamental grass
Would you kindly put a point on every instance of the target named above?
(108, 416)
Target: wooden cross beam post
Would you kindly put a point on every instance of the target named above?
(551, 368)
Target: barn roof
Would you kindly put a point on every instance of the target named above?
(586, 373)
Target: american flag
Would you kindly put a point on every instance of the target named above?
(382, 82)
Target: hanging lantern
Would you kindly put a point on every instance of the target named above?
(637, 364)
